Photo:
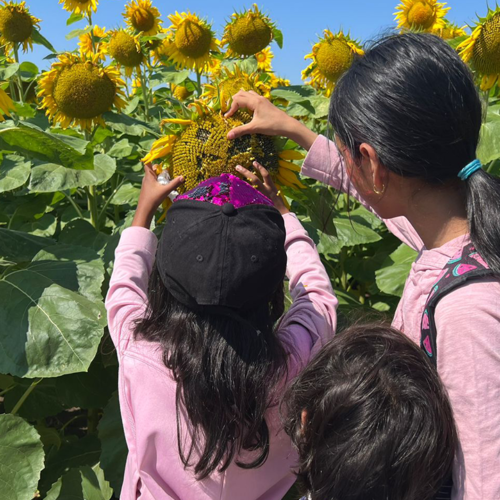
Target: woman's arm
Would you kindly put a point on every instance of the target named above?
(127, 295)
(323, 162)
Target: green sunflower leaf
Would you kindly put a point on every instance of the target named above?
(21, 458)
(278, 37)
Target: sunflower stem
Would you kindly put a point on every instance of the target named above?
(198, 81)
(24, 397)
(19, 81)
(73, 204)
(116, 186)
(145, 94)
(92, 204)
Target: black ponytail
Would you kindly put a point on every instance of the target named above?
(414, 100)
(483, 211)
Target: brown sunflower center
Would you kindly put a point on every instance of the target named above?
(249, 35)
(142, 19)
(193, 39)
(486, 51)
(81, 91)
(15, 25)
(421, 15)
(334, 58)
(202, 150)
(124, 50)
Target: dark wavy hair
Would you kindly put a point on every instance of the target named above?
(371, 420)
(414, 101)
(227, 369)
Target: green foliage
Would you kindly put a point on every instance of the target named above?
(21, 458)
(66, 195)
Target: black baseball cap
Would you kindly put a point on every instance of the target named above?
(223, 246)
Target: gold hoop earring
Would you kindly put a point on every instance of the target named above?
(376, 191)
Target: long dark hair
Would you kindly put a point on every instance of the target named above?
(227, 369)
(371, 419)
(413, 99)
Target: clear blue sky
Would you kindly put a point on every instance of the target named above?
(299, 20)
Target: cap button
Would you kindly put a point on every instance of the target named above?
(228, 209)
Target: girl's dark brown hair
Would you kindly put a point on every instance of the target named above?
(378, 424)
(227, 370)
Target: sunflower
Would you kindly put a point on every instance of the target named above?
(126, 50)
(231, 82)
(482, 49)
(277, 81)
(78, 90)
(199, 149)
(91, 43)
(450, 31)
(190, 43)
(180, 92)
(332, 56)
(264, 58)
(248, 33)
(143, 17)
(84, 7)
(16, 26)
(6, 105)
(422, 15)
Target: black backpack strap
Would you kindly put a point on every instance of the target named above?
(462, 268)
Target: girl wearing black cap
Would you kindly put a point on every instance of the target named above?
(203, 358)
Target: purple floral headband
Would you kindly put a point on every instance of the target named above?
(226, 188)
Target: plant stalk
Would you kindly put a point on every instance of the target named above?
(23, 398)
(19, 81)
(74, 205)
(93, 420)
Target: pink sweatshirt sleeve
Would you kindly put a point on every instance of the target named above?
(312, 318)
(325, 164)
(127, 295)
(468, 347)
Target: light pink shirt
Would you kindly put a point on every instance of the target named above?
(468, 341)
(154, 470)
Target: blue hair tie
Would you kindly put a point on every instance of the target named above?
(467, 171)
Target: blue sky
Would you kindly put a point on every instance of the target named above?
(300, 22)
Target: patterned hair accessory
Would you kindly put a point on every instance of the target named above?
(226, 188)
(467, 171)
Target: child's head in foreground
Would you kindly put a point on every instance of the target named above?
(371, 420)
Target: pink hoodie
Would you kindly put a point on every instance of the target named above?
(468, 341)
(147, 389)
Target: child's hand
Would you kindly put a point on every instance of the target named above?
(265, 186)
(151, 196)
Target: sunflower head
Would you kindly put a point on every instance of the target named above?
(482, 48)
(449, 31)
(91, 43)
(78, 91)
(143, 17)
(80, 6)
(191, 41)
(200, 149)
(231, 82)
(17, 25)
(248, 33)
(180, 92)
(421, 15)
(125, 49)
(264, 58)
(331, 57)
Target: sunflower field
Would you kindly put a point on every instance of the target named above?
(72, 139)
